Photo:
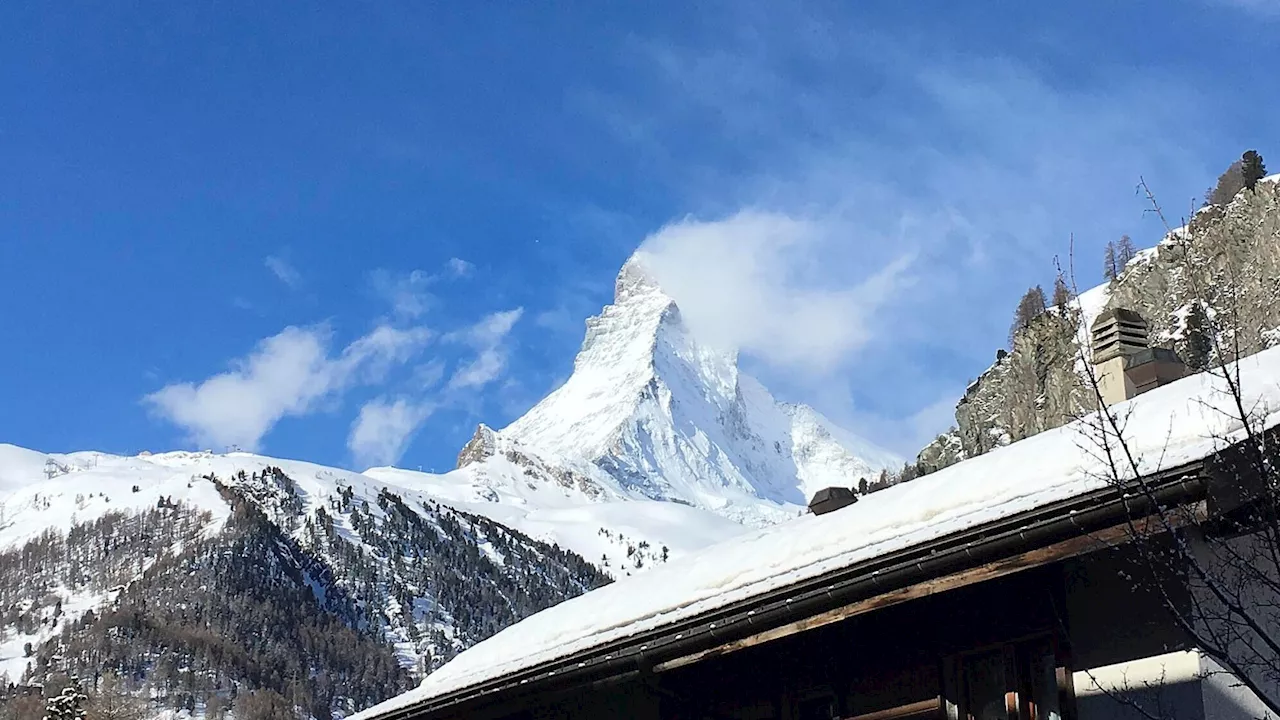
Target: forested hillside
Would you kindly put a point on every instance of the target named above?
(293, 606)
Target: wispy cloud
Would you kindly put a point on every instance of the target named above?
(383, 429)
(459, 268)
(487, 339)
(284, 271)
(406, 293)
(288, 374)
(427, 375)
(879, 208)
(561, 319)
(410, 293)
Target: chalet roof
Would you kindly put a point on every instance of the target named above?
(831, 493)
(1172, 426)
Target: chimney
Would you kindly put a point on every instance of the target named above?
(1125, 364)
(831, 499)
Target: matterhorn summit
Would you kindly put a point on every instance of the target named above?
(651, 413)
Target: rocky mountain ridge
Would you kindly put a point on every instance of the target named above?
(1219, 275)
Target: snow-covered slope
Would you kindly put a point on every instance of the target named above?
(655, 447)
(620, 534)
(351, 524)
(1175, 424)
(650, 412)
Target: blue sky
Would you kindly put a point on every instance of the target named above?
(350, 234)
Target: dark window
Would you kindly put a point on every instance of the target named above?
(1017, 681)
(988, 682)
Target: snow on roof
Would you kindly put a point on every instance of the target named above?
(1167, 427)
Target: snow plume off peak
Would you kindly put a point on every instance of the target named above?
(781, 288)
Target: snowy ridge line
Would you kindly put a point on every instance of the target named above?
(1171, 426)
(652, 412)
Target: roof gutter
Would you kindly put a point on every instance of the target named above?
(1039, 527)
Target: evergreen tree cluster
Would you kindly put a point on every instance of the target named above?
(455, 578)
(66, 705)
(1240, 175)
(1030, 307)
(229, 614)
(1117, 256)
(92, 558)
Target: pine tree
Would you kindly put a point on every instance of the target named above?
(1061, 293)
(1199, 344)
(67, 705)
(1029, 308)
(1124, 253)
(1252, 169)
(1109, 269)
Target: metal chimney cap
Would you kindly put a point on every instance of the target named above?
(830, 499)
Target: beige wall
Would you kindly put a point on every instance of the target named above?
(1113, 384)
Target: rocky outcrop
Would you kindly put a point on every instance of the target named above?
(486, 444)
(482, 446)
(1228, 257)
(1226, 261)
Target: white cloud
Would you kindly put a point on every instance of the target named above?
(904, 434)
(288, 374)
(484, 369)
(879, 224)
(561, 319)
(459, 267)
(756, 281)
(490, 330)
(486, 337)
(283, 271)
(385, 347)
(383, 429)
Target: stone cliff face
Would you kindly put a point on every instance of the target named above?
(1226, 260)
(1227, 256)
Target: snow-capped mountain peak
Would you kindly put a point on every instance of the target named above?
(651, 411)
(611, 372)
